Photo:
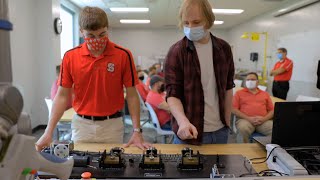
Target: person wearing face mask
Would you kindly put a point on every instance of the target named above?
(199, 71)
(98, 70)
(282, 73)
(158, 69)
(143, 90)
(158, 103)
(253, 108)
(152, 71)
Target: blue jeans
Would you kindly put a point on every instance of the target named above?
(217, 137)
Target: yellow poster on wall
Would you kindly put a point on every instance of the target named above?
(255, 36)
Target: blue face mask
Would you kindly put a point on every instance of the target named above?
(280, 56)
(194, 34)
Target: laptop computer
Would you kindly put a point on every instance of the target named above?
(294, 124)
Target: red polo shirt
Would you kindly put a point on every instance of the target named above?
(287, 64)
(252, 104)
(98, 81)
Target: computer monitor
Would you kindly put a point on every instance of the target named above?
(296, 124)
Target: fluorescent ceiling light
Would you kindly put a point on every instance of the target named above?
(218, 22)
(227, 11)
(135, 21)
(282, 10)
(129, 9)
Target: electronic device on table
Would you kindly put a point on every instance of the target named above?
(296, 124)
(151, 164)
(295, 139)
(19, 159)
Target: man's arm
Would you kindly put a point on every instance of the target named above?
(59, 105)
(277, 71)
(164, 106)
(134, 106)
(228, 106)
(268, 116)
(134, 109)
(239, 114)
(186, 129)
(177, 110)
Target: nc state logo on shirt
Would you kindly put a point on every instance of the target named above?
(110, 67)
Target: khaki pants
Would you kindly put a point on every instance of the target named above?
(108, 131)
(246, 128)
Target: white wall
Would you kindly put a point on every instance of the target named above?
(35, 51)
(146, 44)
(298, 31)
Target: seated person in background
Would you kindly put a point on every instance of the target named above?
(254, 109)
(152, 71)
(54, 87)
(158, 69)
(143, 90)
(138, 68)
(158, 103)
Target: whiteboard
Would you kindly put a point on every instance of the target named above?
(304, 49)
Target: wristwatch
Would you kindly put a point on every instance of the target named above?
(137, 130)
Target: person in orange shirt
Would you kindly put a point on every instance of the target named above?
(143, 90)
(156, 99)
(159, 69)
(254, 109)
(152, 71)
(282, 73)
(98, 70)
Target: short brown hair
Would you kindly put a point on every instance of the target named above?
(253, 73)
(93, 18)
(139, 71)
(152, 68)
(284, 50)
(205, 8)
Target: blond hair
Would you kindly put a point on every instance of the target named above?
(93, 18)
(205, 8)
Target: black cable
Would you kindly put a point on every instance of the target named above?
(262, 158)
(248, 174)
(257, 158)
(273, 171)
(263, 172)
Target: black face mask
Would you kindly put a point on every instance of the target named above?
(162, 88)
(141, 78)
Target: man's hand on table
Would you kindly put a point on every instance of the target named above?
(187, 130)
(138, 141)
(44, 141)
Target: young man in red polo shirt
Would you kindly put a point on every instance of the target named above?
(282, 73)
(254, 109)
(98, 69)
